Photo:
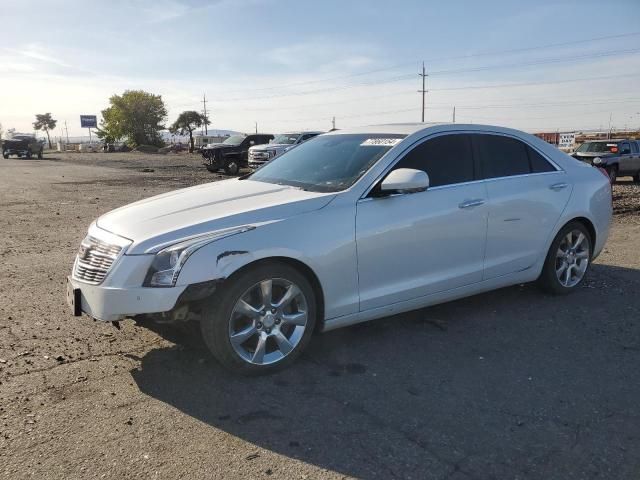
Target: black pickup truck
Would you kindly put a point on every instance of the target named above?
(618, 157)
(233, 153)
(22, 146)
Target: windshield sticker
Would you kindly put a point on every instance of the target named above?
(380, 142)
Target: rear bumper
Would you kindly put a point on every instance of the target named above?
(111, 304)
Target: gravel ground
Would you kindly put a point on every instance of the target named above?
(509, 384)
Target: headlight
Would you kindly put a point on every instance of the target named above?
(597, 161)
(169, 261)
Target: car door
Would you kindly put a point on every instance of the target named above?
(635, 150)
(414, 244)
(526, 196)
(626, 160)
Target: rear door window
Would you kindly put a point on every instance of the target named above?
(501, 156)
(447, 159)
(538, 163)
(634, 147)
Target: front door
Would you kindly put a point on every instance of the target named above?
(414, 244)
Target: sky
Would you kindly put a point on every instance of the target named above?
(290, 65)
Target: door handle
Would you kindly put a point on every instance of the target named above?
(558, 186)
(471, 203)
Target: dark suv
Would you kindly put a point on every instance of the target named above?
(232, 154)
(617, 157)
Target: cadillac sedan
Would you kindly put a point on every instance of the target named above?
(350, 226)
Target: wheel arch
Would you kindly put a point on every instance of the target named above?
(301, 267)
(588, 225)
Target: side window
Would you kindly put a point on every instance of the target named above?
(447, 159)
(501, 156)
(538, 163)
(624, 148)
(307, 136)
(634, 147)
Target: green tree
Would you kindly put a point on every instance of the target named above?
(135, 115)
(187, 122)
(45, 122)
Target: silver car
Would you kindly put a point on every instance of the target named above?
(348, 227)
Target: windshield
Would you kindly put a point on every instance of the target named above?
(234, 140)
(327, 163)
(598, 147)
(285, 139)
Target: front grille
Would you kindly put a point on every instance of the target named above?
(94, 260)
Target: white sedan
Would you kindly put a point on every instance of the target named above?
(350, 226)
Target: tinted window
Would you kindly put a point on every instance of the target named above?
(501, 156)
(624, 148)
(446, 159)
(634, 147)
(538, 163)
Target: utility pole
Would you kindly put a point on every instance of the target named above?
(454, 114)
(609, 134)
(66, 130)
(423, 91)
(256, 127)
(333, 123)
(204, 104)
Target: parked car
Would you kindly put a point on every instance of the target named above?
(23, 146)
(617, 157)
(355, 225)
(232, 154)
(261, 154)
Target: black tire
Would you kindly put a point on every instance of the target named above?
(636, 177)
(217, 311)
(232, 167)
(548, 279)
(612, 171)
(5, 155)
(40, 155)
(29, 154)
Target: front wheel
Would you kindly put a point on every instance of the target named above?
(5, 155)
(29, 154)
(568, 259)
(262, 320)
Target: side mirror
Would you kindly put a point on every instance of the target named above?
(405, 180)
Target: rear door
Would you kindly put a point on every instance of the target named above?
(526, 195)
(626, 165)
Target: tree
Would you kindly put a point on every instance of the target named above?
(45, 122)
(187, 122)
(135, 115)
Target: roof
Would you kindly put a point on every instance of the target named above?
(411, 128)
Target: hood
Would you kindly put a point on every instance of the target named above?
(181, 214)
(219, 146)
(592, 154)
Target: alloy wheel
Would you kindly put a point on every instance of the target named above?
(572, 258)
(268, 321)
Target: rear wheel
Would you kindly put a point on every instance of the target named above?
(262, 320)
(568, 259)
(29, 154)
(232, 167)
(636, 177)
(612, 171)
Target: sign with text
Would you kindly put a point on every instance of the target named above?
(567, 140)
(88, 121)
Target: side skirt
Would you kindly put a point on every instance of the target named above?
(524, 276)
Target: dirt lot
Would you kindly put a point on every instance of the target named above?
(510, 384)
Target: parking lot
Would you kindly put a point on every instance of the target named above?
(509, 384)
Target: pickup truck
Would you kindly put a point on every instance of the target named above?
(261, 154)
(232, 154)
(22, 146)
(618, 157)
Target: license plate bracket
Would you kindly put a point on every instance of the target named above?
(74, 299)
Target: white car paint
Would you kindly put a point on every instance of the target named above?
(371, 256)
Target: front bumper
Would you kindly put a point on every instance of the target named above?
(109, 303)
